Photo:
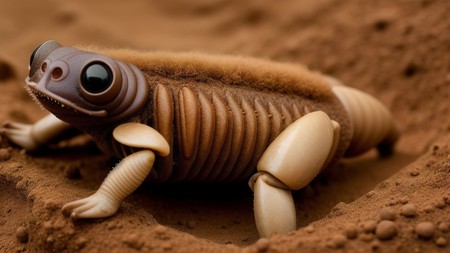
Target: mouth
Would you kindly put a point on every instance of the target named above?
(55, 101)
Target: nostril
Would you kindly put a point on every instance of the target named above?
(44, 67)
(57, 73)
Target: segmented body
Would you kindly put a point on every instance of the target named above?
(218, 132)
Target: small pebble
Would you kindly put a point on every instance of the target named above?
(50, 239)
(310, 229)
(370, 194)
(351, 231)
(403, 200)
(428, 208)
(369, 226)
(440, 203)
(443, 227)
(161, 232)
(338, 241)
(387, 213)
(414, 173)
(51, 205)
(425, 229)
(22, 234)
(111, 225)
(386, 230)
(262, 244)
(441, 241)
(132, 241)
(408, 210)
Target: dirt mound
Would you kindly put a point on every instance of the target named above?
(395, 50)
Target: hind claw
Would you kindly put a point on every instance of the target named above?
(290, 162)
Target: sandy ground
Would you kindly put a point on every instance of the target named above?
(396, 50)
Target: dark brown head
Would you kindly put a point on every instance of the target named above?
(84, 88)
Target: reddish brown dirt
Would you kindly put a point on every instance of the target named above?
(395, 50)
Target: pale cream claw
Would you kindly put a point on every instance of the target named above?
(19, 134)
(298, 154)
(141, 136)
(291, 161)
(274, 209)
(32, 136)
(119, 183)
(94, 206)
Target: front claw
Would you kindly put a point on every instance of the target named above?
(32, 136)
(20, 134)
(119, 183)
(94, 206)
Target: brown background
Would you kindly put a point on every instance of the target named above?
(395, 50)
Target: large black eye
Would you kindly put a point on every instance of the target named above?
(96, 77)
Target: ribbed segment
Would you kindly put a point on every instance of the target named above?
(128, 175)
(218, 136)
(372, 122)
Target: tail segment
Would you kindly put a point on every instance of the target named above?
(373, 124)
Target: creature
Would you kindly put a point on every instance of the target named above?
(194, 117)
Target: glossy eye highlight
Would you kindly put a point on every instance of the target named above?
(96, 77)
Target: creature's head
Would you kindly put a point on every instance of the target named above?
(84, 88)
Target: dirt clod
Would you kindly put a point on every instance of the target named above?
(370, 194)
(351, 231)
(404, 200)
(161, 232)
(443, 227)
(386, 230)
(133, 241)
(408, 210)
(394, 51)
(337, 241)
(22, 234)
(387, 213)
(425, 229)
(369, 226)
(310, 229)
(441, 241)
(414, 173)
(262, 244)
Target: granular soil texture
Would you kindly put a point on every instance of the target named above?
(397, 51)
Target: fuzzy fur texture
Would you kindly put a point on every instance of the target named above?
(230, 70)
